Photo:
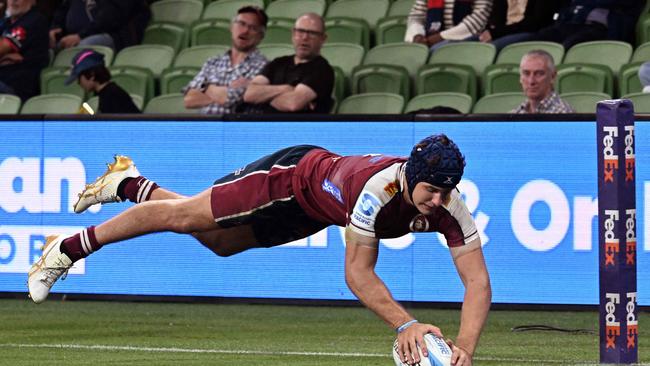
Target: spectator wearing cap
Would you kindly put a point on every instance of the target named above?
(220, 85)
(89, 70)
(23, 49)
(112, 23)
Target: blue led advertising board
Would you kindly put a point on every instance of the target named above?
(531, 187)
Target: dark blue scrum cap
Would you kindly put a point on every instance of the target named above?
(84, 60)
(435, 160)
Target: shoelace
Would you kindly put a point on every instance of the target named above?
(53, 273)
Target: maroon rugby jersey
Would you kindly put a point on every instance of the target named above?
(365, 193)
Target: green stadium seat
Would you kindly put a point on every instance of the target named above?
(446, 78)
(628, 79)
(378, 78)
(641, 101)
(53, 82)
(400, 8)
(372, 103)
(369, 10)
(272, 50)
(348, 30)
(498, 103)
(584, 77)
(176, 11)
(134, 80)
(168, 104)
(512, 54)
(390, 30)
(278, 31)
(340, 89)
(52, 104)
(154, 57)
(210, 32)
(292, 9)
(458, 101)
(584, 102)
(641, 53)
(409, 55)
(94, 102)
(613, 54)
(174, 79)
(227, 9)
(168, 34)
(501, 78)
(196, 56)
(9, 104)
(643, 29)
(347, 56)
(65, 56)
(476, 54)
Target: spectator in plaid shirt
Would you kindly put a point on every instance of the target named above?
(220, 85)
(537, 75)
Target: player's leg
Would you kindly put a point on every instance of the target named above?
(227, 242)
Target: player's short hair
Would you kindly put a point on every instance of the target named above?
(435, 160)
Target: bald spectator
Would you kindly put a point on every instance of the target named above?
(301, 82)
(537, 75)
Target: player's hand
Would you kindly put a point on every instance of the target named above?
(408, 340)
(459, 356)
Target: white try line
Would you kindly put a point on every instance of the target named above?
(101, 347)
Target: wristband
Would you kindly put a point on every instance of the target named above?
(403, 327)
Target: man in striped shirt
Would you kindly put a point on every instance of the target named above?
(434, 23)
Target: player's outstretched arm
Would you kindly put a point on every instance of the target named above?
(476, 304)
(360, 260)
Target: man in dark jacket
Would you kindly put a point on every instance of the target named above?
(113, 23)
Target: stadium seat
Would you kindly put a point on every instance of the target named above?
(176, 11)
(151, 56)
(498, 103)
(643, 29)
(476, 54)
(134, 80)
(458, 101)
(512, 54)
(196, 56)
(379, 78)
(372, 103)
(52, 104)
(400, 8)
(628, 79)
(390, 30)
(501, 78)
(210, 32)
(340, 90)
(344, 55)
(272, 50)
(9, 104)
(65, 56)
(94, 102)
(584, 77)
(168, 104)
(348, 30)
(446, 78)
(409, 55)
(369, 10)
(292, 9)
(641, 101)
(584, 102)
(53, 82)
(174, 79)
(168, 34)
(613, 54)
(278, 31)
(641, 53)
(227, 9)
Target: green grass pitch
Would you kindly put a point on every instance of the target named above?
(137, 333)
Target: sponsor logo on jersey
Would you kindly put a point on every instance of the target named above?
(369, 204)
(419, 223)
(333, 190)
(392, 188)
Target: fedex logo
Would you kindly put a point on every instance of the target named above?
(611, 241)
(610, 158)
(612, 326)
(629, 153)
(632, 322)
(630, 237)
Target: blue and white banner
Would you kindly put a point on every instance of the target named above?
(531, 187)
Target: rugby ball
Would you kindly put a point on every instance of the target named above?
(439, 352)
